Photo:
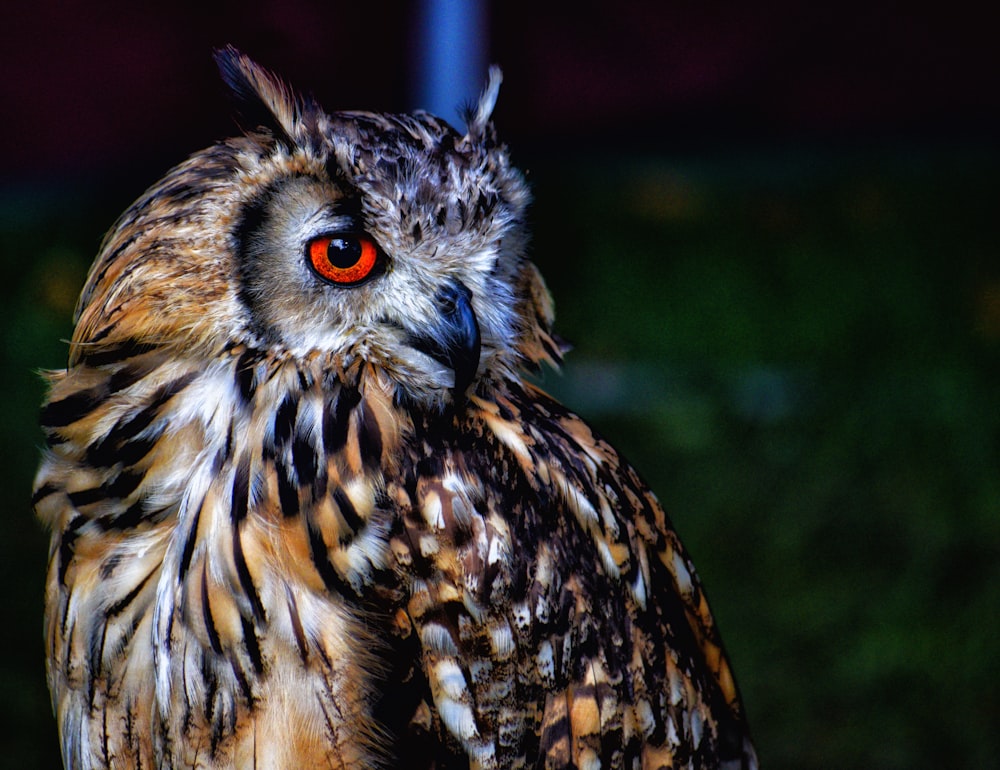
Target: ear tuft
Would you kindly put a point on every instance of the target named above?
(478, 119)
(261, 98)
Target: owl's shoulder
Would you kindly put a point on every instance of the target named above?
(545, 569)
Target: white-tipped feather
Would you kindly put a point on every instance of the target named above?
(487, 102)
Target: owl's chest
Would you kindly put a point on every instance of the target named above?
(321, 558)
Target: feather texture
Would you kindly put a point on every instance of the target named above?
(283, 536)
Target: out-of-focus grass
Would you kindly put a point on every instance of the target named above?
(800, 354)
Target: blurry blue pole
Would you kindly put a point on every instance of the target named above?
(451, 55)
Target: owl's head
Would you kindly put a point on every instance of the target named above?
(389, 240)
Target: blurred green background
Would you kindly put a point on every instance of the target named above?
(799, 353)
(781, 281)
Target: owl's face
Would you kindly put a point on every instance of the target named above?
(389, 240)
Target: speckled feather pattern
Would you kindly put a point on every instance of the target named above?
(286, 535)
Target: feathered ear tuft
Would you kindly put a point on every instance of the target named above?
(478, 120)
(261, 98)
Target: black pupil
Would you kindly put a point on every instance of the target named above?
(344, 252)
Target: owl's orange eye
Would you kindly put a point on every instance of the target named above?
(345, 259)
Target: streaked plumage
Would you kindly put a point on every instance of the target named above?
(304, 524)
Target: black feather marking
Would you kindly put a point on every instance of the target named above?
(124, 484)
(42, 492)
(86, 496)
(66, 411)
(300, 634)
(349, 514)
(189, 546)
(129, 729)
(321, 560)
(131, 517)
(553, 733)
(430, 467)
(53, 439)
(252, 644)
(611, 738)
(304, 459)
(288, 493)
(104, 734)
(119, 445)
(245, 81)
(131, 373)
(119, 606)
(284, 420)
(246, 369)
(504, 411)
(95, 652)
(337, 418)
(241, 679)
(241, 492)
(246, 579)
(129, 348)
(212, 715)
(319, 485)
(134, 516)
(369, 438)
(72, 408)
(206, 610)
(350, 205)
(98, 336)
(485, 204)
(69, 536)
(133, 451)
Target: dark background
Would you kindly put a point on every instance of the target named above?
(772, 238)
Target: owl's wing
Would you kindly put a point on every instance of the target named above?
(557, 612)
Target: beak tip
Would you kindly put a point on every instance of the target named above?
(464, 344)
(455, 339)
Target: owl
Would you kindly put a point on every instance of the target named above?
(306, 508)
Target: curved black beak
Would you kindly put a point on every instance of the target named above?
(455, 342)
